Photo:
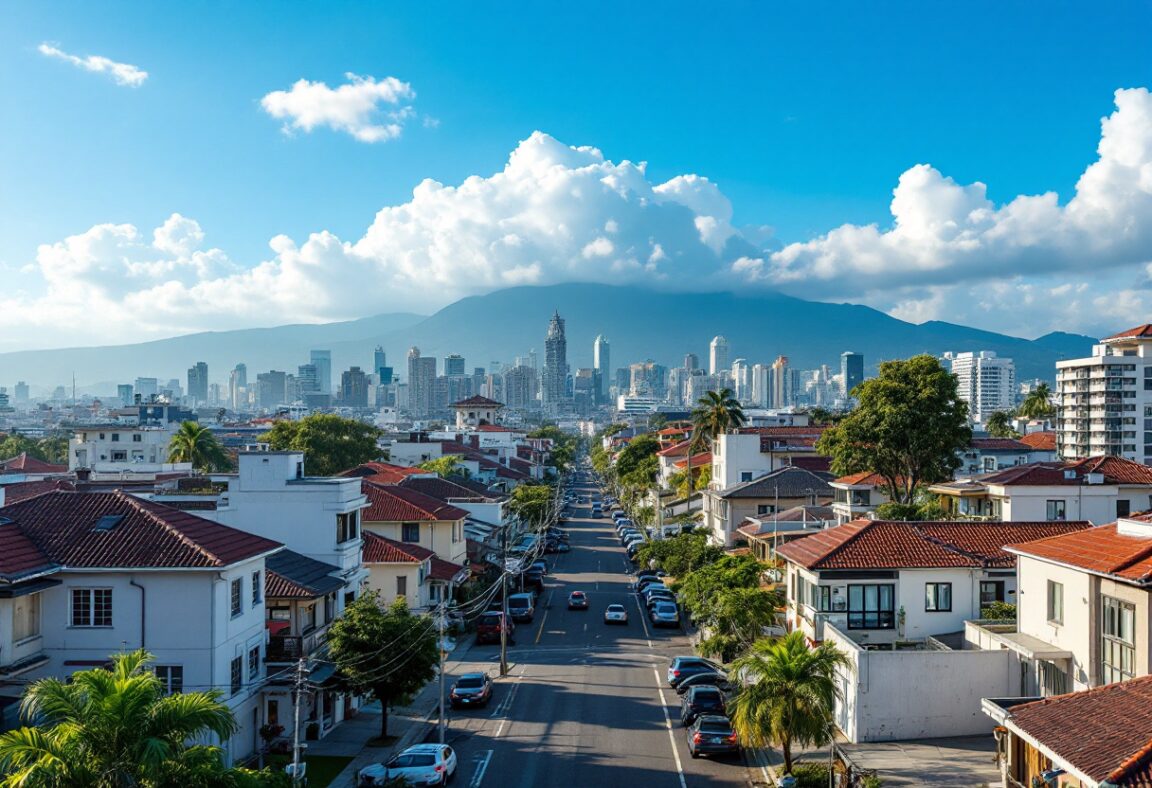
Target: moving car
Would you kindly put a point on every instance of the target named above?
(665, 614)
(712, 734)
(420, 764)
(577, 600)
(490, 625)
(471, 689)
(718, 680)
(700, 700)
(680, 668)
(522, 607)
(615, 614)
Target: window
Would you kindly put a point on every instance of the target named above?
(991, 591)
(329, 608)
(237, 675)
(989, 464)
(257, 588)
(171, 678)
(938, 597)
(745, 476)
(1117, 640)
(1052, 679)
(26, 617)
(137, 438)
(1123, 508)
(307, 618)
(253, 663)
(822, 598)
(115, 437)
(410, 532)
(347, 527)
(91, 607)
(402, 585)
(119, 456)
(872, 606)
(237, 598)
(764, 508)
(1055, 602)
(1056, 510)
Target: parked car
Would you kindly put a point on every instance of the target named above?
(522, 607)
(655, 573)
(700, 700)
(712, 734)
(471, 689)
(490, 625)
(563, 547)
(718, 680)
(644, 583)
(542, 565)
(577, 600)
(657, 595)
(615, 614)
(665, 614)
(680, 668)
(420, 764)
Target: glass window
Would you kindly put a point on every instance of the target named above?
(91, 607)
(347, 526)
(253, 663)
(171, 678)
(401, 585)
(938, 597)
(257, 588)
(410, 532)
(1056, 510)
(872, 606)
(237, 597)
(1055, 602)
(991, 591)
(237, 675)
(1117, 640)
(745, 476)
(1123, 508)
(25, 617)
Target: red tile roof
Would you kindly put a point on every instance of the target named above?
(863, 477)
(443, 570)
(62, 526)
(886, 544)
(1132, 333)
(1101, 550)
(814, 462)
(19, 556)
(392, 504)
(1115, 470)
(1040, 441)
(675, 450)
(382, 550)
(998, 444)
(383, 472)
(477, 401)
(23, 463)
(698, 461)
(21, 491)
(1105, 733)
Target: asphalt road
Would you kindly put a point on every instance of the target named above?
(585, 704)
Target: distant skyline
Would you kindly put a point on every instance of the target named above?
(219, 166)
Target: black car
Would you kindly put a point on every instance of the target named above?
(701, 700)
(712, 734)
(650, 573)
(680, 668)
(718, 680)
(471, 689)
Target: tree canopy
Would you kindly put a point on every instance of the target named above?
(53, 448)
(680, 554)
(999, 425)
(716, 413)
(532, 502)
(909, 427)
(1038, 403)
(389, 652)
(195, 443)
(445, 466)
(330, 443)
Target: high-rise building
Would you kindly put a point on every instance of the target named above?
(532, 362)
(454, 365)
(851, 371)
(379, 360)
(20, 393)
(271, 389)
(782, 389)
(717, 355)
(647, 379)
(601, 362)
(555, 382)
(741, 382)
(238, 387)
(421, 383)
(1103, 400)
(306, 380)
(623, 380)
(147, 388)
(323, 361)
(519, 387)
(691, 361)
(124, 393)
(987, 383)
(198, 383)
(354, 388)
(760, 385)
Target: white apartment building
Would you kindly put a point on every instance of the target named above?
(117, 449)
(717, 355)
(1104, 402)
(987, 383)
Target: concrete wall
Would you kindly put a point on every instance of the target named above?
(382, 578)
(1077, 633)
(1095, 503)
(876, 703)
(733, 455)
(439, 536)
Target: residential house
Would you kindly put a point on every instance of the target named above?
(1043, 445)
(1097, 489)
(985, 455)
(857, 495)
(24, 468)
(784, 488)
(399, 569)
(754, 451)
(385, 472)
(121, 450)
(18, 491)
(86, 575)
(764, 533)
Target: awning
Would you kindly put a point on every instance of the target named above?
(323, 674)
(23, 589)
(1032, 647)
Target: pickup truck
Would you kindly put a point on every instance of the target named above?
(489, 626)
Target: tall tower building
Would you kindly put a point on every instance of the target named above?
(986, 383)
(691, 362)
(781, 383)
(454, 365)
(717, 355)
(601, 359)
(741, 382)
(760, 385)
(354, 388)
(555, 364)
(421, 383)
(851, 370)
(238, 387)
(323, 361)
(198, 383)
(379, 360)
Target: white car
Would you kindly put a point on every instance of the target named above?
(615, 614)
(420, 764)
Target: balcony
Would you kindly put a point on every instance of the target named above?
(289, 648)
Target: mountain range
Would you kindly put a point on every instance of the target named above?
(640, 324)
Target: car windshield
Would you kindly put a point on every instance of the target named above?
(705, 695)
(665, 607)
(470, 682)
(491, 619)
(715, 727)
(409, 759)
(616, 608)
(577, 594)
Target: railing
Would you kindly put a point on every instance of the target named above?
(289, 648)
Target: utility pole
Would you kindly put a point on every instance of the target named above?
(504, 603)
(440, 648)
(297, 695)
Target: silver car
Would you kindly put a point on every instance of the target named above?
(665, 614)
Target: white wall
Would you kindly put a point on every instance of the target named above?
(1095, 503)
(406, 453)
(733, 455)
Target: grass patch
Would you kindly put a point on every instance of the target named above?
(322, 769)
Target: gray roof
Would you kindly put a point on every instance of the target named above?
(302, 574)
(787, 482)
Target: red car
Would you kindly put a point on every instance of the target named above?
(489, 627)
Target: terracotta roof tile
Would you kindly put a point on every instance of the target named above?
(382, 550)
(23, 463)
(443, 570)
(998, 444)
(291, 575)
(886, 544)
(698, 461)
(443, 489)
(1105, 732)
(21, 491)
(863, 477)
(1040, 441)
(476, 401)
(19, 556)
(1132, 333)
(1115, 470)
(384, 472)
(1102, 550)
(675, 450)
(391, 503)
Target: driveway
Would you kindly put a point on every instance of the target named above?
(953, 762)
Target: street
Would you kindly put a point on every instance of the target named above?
(586, 703)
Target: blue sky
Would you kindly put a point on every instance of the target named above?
(803, 116)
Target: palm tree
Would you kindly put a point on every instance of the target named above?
(790, 694)
(107, 728)
(196, 444)
(999, 425)
(1038, 403)
(715, 413)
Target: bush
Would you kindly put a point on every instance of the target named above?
(998, 611)
(811, 775)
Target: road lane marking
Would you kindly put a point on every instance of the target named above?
(643, 622)
(478, 777)
(547, 604)
(508, 705)
(668, 726)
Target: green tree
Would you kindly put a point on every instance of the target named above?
(736, 618)
(700, 587)
(197, 444)
(999, 425)
(790, 695)
(679, 480)
(52, 448)
(532, 502)
(1038, 403)
(680, 554)
(15, 445)
(448, 465)
(330, 443)
(716, 413)
(909, 427)
(107, 728)
(390, 653)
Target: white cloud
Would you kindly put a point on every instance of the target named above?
(123, 73)
(369, 110)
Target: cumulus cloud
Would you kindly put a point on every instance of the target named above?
(370, 110)
(123, 73)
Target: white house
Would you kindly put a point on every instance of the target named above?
(784, 488)
(115, 449)
(86, 575)
(857, 495)
(752, 452)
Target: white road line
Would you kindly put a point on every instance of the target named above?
(478, 777)
(643, 622)
(511, 694)
(668, 726)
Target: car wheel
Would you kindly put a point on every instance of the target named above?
(693, 753)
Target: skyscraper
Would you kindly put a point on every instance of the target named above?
(379, 360)
(421, 383)
(555, 364)
(271, 389)
(123, 393)
(601, 358)
(741, 383)
(851, 370)
(20, 393)
(323, 361)
(306, 380)
(147, 388)
(354, 388)
(781, 383)
(691, 362)
(238, 387)
(454, 365)
(717, 355)
(198, 383)
(985, 382)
